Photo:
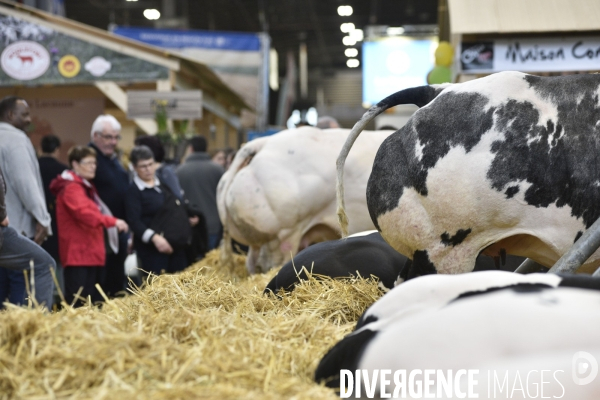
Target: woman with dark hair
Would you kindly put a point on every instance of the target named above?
(82, 218)
(152, 210)
(218, 156)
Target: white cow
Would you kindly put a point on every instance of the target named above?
(278, 196)
(494, 321)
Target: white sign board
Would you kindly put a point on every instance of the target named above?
(532, 55)
(185, 104)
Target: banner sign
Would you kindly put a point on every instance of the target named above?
(532, 55)
(35, 54)
(176, 39)
(239, 59)
(185, 104)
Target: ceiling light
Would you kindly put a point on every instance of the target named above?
(273, 69)
(394, 31)
(151, 13)
(351, 52)
(357, 35)
(349, 41)
(352, 63)
(347, 27)
(345, 11)
(131, 0)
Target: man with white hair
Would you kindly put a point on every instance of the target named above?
(112, 182)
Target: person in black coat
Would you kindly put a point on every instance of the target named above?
(166, 173)
(111, 182)
(144, 200)
(50, 168)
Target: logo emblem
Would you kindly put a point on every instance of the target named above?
(98, 66)
(69, 66)
(585, 368)
(25, 60)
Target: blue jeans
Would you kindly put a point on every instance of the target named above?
(12, 287)
(15, 255)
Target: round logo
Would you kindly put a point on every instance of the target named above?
(585, 368)
(25, 60)
(69, 66)
(98, 66)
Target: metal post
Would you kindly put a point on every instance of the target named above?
(583, 248)
(529, 266)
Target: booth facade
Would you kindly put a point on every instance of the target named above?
(70, 73)
(549, 37)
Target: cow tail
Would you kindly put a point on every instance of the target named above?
(226, 254)
(240, 161)
(419, 96)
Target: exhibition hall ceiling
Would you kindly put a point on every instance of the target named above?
(289, 23)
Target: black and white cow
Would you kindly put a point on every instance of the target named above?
(470, 321)
(507, 162)
(435, 292)
(365, 254)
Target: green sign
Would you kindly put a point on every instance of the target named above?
(33, 54)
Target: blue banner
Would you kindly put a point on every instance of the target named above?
(176, 39)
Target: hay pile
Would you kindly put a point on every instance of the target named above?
(204, 333)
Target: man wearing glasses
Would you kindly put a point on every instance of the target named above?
(112, 182)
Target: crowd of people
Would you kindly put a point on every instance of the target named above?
(79, 222)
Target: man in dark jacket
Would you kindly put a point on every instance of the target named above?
(17, 252)
(112, 182)
(50, 168)
(199, 177)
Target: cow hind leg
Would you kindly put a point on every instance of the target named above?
(252, 259)
(455, 261)
(317, 234)
(419, 265)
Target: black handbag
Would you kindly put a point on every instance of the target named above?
(171, 221)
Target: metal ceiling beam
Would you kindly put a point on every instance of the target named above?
(325, 56)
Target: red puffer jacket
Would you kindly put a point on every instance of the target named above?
(80, 222)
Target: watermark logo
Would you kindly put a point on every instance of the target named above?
(514, 382)
(585, 368)
(416, 383)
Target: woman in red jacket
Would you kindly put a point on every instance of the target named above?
(82, 217)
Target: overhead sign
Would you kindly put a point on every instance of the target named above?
(532, 55)
(240, 59)
(177, 39)
(178, 105)
(36, 54)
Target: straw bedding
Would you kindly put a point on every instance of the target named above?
(206, 333)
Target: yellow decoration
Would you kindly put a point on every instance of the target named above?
(444, 54)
